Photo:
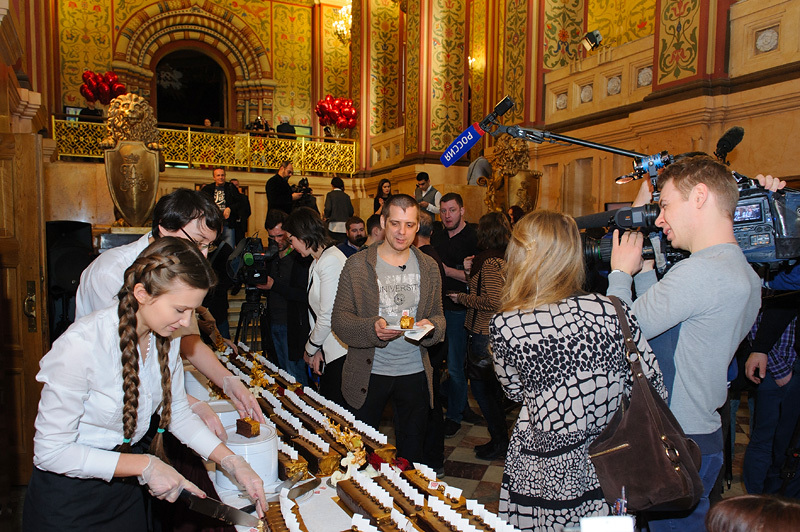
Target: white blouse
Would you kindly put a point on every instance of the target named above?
(323, 281)
(80, 410)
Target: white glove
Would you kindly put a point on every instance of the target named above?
(243, 400)
(238, 467)
(164, 482)
(211, 419)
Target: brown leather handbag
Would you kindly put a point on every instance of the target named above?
(644, 449)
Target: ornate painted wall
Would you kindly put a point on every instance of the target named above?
(678, 40)
(413, 87)
(514, 53)
(384, 59)
(448, 60)
(477, 51)
(90, 30)
(621, 21)
(563, 29)
(335, 58)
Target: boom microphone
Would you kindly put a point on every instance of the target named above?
(463, 143)
(728, 142)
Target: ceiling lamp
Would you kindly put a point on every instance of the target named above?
(342, 22)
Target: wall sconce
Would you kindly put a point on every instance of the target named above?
(591, 40)
(342, 22)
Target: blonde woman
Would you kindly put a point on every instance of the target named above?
(559, 352)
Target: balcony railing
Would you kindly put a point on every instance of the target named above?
(193, 147)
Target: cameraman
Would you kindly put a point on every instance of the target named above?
(696, 315)
(284, 327)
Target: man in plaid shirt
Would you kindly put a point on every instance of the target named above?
(777, 402)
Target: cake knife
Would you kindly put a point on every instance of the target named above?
(218, 510)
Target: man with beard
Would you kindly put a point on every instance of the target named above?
(356, 236)
(284, 327)
(279, 193)
(454, 244)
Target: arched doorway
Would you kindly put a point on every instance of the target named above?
(190, 86)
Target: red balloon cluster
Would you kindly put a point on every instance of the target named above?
(337, 112)
(103, 87)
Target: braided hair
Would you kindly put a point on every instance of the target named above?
(163, 263)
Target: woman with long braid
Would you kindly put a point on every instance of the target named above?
(103, 380)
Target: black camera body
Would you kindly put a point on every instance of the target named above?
(766, 223)
(249, 262)
(303, 187)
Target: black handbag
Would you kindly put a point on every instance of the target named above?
(644, 449)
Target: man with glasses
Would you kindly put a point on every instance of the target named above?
(183, 214)
(426, 195)
(279, 193)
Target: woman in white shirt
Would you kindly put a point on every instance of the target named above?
(324, 352)
(103, 380)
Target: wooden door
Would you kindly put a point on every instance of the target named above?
(23, 334)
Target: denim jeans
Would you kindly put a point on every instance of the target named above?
(776, 411)
(694, 519)
(456, 358)
(295, 368)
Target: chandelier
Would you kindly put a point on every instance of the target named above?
(342, 22)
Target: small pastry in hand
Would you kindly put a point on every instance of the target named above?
(249, 428)
(407, 322)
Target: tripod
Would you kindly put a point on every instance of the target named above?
(248, 327)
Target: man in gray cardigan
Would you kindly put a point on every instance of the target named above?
(378, 286)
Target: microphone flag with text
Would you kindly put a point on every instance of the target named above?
(462, 144)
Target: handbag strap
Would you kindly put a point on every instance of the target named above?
(633, 356)
(475, 311)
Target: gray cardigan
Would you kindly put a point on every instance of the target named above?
(356, 311)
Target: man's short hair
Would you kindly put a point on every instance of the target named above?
(691, 171)
(404, 201)
(452, 196)
(219, 168)
(275, 217)
(285, 163)
(353, 220)
(175, 210)
(423, 176)
(425, 224)
(373, 222)
(337, 182)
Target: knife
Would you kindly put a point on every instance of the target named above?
(296, 491)
(218, 510)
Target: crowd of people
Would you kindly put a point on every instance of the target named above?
(500, 307)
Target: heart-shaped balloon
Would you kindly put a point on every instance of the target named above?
(110, 78)
(118, 89)
(86, 76)
(103, 93)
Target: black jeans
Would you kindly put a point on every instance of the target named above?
(410, 403)
(486, 389)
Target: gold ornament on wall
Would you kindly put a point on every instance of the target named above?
(510, 156)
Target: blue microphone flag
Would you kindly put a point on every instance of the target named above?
(462, 144)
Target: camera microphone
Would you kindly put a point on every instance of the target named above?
(728, 142)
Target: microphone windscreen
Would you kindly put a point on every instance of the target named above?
(730, 139)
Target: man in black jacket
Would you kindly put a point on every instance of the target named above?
(279, 193)
(229, 201)
(285, 325)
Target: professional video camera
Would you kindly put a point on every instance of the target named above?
(302, 187)
(249, 262)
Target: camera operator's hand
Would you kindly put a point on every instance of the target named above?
(296, 196)
(756, 367)
(770, 183)
(267, 285)
(626, 252)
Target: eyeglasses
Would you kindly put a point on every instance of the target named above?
(203, 247)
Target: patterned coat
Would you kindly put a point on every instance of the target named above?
(564, 363)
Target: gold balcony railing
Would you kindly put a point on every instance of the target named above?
(195, 147)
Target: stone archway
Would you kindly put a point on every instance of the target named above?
(151, 29)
